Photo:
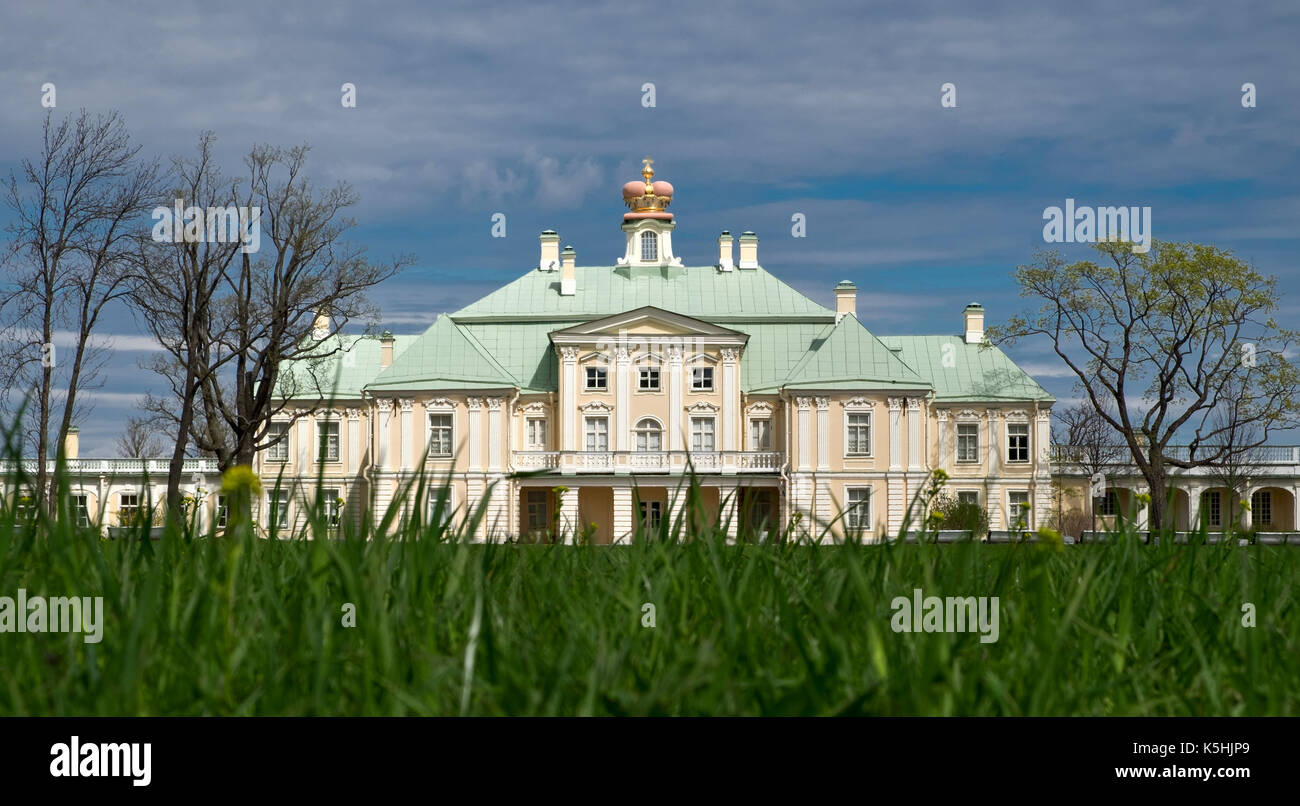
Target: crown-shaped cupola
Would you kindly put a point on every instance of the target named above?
(648, 225)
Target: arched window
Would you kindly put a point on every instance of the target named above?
(649, 436)
(649, 246)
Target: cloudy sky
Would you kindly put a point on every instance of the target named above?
(536, 110)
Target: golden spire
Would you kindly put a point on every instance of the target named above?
(647, 172)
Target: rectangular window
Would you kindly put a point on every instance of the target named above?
(702, 379)
(128, 509)
(597, 432)
(760, 435)
(329, 441)
(968, 442)
(277, 505)
(1211, 506)
(858, 442)
(857, 515)
(1261, 508)
(597, 378)
(702, 434)
(440, 435)
(1017, 506)
(1018, 442)
(279, 451)
(651, 512)
(223, 511)
(968, 497)
(81, 510)
(1108, 504)
(535, 433)
(535, 508)
(648, 379)
(331, 507)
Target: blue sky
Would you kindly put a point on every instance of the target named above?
(762, 111)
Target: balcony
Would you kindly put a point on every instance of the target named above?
(627, 462)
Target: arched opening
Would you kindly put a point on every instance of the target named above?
(648, 435)
(1272, 509)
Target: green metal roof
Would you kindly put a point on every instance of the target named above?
(977, 375)
(848, 355)
(703, 292)
(444, 357)
(341, 375)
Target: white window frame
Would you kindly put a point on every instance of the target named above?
(641, 375)
(279, 452)
(695, 383)
(1212, 506)
(1013, 448)
(1014, 511)
(650, 510)
(223, 511)
(595, 373)
(535, 436)
(698, 434)
(450, 428)
(957, 447)
(649, 238)
(640, 430)
(322, 447)
(1108, 503)
(330, 506)
(764, 424)
(848, 430)
(968, 493)
(277, 499)
(857, 514)
(588, 433)
(1261, 508)
(122, 506)
(81, 508)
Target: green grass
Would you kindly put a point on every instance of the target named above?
(243, 625)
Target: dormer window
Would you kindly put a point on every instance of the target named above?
(649, 247)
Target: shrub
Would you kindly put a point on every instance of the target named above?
(955, 514)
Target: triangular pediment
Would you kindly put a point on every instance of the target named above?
(648, 321)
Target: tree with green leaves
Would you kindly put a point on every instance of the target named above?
(1159, 341)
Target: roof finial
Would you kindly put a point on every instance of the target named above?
(647, 172)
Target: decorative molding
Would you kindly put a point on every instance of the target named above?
(569, 353)
(968, 414)
(384, 405)
(761, 407)
(730, 354)
(534, 408)
(675, 352)
(702, 407)
(823, 403)
(914, 404)
(859, 403)
(1044, 415)
(407, 403)
(354, 414)
(494, 403)
(803, 402)
(894, 403)
(439, 403)
(1018, 415)
(942, 414)
(622, 354)
(993, 414)
(474, 403)
(596, 406)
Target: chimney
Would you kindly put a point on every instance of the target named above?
(320, 328)
(568, 278)
(748, 250)
(724, 252)
(846, 300)
(386, 340)
(72, 443)
(550, 251)
(974, 320)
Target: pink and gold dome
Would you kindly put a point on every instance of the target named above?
(648, 198)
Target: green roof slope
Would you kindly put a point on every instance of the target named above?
(978, 375)
(847, 355)
(444, 357)
(342, 374)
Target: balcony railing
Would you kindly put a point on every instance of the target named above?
(1264, 455)
(113, 467)
(650, 461)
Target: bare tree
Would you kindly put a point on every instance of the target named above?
(139, 439)
(75, 212)
(1235, 436)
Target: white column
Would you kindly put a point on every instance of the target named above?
(623, 514)
(676, 440)
(306, 436)
(385, 407)
(354, 440)
(475, 433)
(805, 432)
(995, 446)
(496, 426)
(914, 433)
(730, 398)
(823, 433)
(569, 514)
(622, 398)
(406, 436)
(895, 433)
(945, 451)
(568, 402)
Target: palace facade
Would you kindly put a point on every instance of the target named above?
(616, 382)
